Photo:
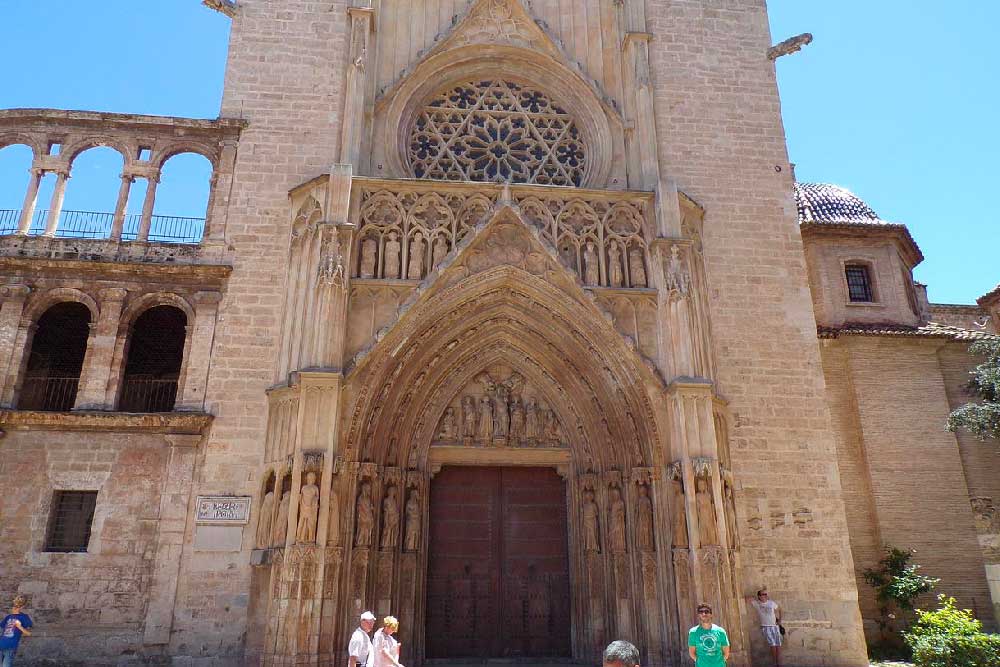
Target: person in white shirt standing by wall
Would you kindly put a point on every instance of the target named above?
(769, 612)
(359, 651)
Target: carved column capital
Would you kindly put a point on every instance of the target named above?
(703, 466)
(112, 295)
(207, 298)
(15, 292)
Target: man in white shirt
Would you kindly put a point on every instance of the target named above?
(769, 612)
(360, 649)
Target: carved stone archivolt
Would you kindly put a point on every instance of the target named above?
(500, 409)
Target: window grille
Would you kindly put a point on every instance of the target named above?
(70, 523)
(497, 131)
(859, 284)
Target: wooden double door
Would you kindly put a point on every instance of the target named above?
(498, 567)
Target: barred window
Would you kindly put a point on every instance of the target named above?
(859, 283)
(70, 523)
(496, 131)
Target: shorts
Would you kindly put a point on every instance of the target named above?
(772, 634)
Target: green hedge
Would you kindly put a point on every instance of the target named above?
(950, 637)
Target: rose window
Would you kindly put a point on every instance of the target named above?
(496, 131)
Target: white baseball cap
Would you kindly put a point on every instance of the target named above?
(367, 616)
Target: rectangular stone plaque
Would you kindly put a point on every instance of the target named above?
(229, 510)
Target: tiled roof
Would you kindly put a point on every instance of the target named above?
(989, 296)
(929, 330)
(823, 202)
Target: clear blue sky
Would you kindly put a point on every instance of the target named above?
(895, 99)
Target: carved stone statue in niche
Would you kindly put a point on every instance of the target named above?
(390, 519)
(591, 523)
(637, 267)
(392, 256)
(449, 427)
(369, 248)
(644, 527)
(616, 529)
(440, 250)
(615, 276)
(551, 435)
(707, 529)
(568, 256)
(416, 269)
(592, 274)
(412, 538)
(679, 516)
(734, 538)
(281, 521)
(517, 423)
(532, 428)
(305, 531)
(266, 521)
(501, 418)
(677, 277)
(470, 419)
(485, 434)
(365, 517)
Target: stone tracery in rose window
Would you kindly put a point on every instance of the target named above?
(497, 131)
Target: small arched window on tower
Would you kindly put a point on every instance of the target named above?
(153, 362)
(58, 348)
(859, 283)
(497, 131)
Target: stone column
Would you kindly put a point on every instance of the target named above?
(147, 207)
(30, 201)
(198, 361)
(96, 370)
(14, 297)
(18, 361)
(119, 220)
(174, 513)
(356, 87)
(218, 200)
(55, 207)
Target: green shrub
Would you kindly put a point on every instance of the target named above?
(979, 650)
(951, 637)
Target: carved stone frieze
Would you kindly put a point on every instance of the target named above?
(499, 409)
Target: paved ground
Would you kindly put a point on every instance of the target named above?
(892, 664)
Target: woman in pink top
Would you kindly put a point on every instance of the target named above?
(385, 646)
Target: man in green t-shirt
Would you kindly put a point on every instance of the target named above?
(708, 644)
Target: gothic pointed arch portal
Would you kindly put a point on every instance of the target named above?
(502, 359)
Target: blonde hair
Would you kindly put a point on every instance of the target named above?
(20, 601)
(390, 622)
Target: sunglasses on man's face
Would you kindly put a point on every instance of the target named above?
(705, 613)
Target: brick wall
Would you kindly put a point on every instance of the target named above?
(918, 481)
(287, 60)
(721, 137)
(86, 605)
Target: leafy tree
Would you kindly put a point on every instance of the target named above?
(897, 585)
(982, 418)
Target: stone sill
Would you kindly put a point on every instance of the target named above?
(179, 423)
(107, 253)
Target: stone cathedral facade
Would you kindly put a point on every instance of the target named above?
(503, 320)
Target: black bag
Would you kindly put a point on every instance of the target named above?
(781, 629)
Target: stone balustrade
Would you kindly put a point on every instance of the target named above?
(56, 137)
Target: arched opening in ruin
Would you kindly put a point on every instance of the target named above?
(153, 361)
(15, 165)
(182, 199)
(58, 347)
(91, 194)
